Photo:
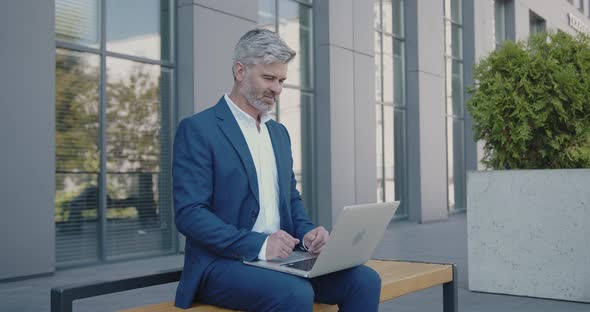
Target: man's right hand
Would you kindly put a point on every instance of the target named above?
(280, 245)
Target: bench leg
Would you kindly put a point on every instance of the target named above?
(450, 298)
(60, 302)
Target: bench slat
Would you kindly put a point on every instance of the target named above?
(397, 279)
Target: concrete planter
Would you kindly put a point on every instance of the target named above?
(529, 233)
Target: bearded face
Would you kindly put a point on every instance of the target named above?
(262, 85)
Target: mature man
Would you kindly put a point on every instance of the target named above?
(235, 199)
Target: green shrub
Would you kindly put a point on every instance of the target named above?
(531, 103)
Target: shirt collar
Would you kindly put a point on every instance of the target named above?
(243, 117)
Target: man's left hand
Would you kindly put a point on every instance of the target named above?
(315, 239)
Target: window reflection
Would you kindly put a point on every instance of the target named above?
(136, 99)
(295, 29)
(77, 21)
(454, 103)
(148, 36)
(136, 154)
(389, 94)
(291, 117)
(76, 156)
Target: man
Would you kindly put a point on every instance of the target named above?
(235, 199)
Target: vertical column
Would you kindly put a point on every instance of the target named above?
(478, 41)
(522, 21)
(364, 102)
(345, 107)
(427, 156)
(27, 137)
(207, 33)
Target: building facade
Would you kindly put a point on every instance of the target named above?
(91, 91)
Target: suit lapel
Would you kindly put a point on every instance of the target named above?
(273, 131)
(230, 128)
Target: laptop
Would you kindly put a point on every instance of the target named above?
(352, 242)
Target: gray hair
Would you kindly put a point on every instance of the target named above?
(262, 46)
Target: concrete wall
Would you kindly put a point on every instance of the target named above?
(478, 42)
(27, 138)
(554, 12)
(528, 233)
(207, 32)
(345, 106)
(427, 154)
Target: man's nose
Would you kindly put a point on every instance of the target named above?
(276, 87)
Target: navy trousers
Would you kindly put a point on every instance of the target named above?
(234, 285)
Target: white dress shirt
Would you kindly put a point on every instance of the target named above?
(263, 155)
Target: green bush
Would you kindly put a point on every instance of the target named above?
(531, 103)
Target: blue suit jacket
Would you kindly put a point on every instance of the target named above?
(216, 193)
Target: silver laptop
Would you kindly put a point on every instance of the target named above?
(352, 242)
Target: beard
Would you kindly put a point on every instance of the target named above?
(249, 92)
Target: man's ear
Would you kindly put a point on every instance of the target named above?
(239, 71)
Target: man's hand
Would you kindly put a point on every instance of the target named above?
(315, 239)
(280, 245)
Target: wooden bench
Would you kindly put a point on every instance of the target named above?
(398, 278)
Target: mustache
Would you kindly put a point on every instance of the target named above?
(271, 94)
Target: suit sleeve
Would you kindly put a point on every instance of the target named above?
(192, 171)
(301, 221)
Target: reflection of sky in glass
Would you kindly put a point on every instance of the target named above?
(133, 27)
(131, 18)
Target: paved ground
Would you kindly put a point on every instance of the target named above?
(444, 241)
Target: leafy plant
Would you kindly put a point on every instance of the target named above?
(531, 103)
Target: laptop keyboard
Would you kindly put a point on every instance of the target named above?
(303, 265)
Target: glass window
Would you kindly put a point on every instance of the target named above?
(378, 68)
(77, 21)
(388, 153)
(398, 18)
(457, 88)
(295, 29)
(136, 155)
(291, 118)
(113, 131)
(456, 11)
(454, 104)
(379, 136)
(76, 157)
(537, 23)
(389, 95)
(294, 109)
(148, 36)
(457, 41)
(387, 18)
(398, 73)
(387, 69)
(499, 21)
(377, 14)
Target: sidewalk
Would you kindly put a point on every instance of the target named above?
(444, 241)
